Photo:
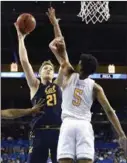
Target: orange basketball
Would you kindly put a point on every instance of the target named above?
(26, 23)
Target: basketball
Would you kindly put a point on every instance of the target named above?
(26, 23)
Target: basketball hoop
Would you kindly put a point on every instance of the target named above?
(94, 11)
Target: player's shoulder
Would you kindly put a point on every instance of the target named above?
(73, 77)
(69, 81)
(90, 80)
(90, 83)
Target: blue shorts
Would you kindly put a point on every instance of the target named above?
(41, 140)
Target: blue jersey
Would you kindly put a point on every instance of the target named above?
(52, 109)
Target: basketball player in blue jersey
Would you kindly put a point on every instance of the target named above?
(76, 140)
(45, 127)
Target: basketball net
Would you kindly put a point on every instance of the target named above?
(94, 11)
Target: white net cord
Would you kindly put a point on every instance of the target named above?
(94, 11)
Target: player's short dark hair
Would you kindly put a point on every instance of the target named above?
(46, 63)
(88, 64)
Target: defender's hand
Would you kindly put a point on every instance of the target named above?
(52, 16)
(37, 108)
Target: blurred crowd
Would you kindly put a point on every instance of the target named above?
(15, 144)
(109, 156)
(16, 151)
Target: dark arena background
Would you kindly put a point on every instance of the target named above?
(107, 41)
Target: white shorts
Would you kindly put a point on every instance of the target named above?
(76, 140)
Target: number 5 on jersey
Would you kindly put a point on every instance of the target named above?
(77, 93)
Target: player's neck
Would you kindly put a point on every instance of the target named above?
(82, 76)
(45, 81)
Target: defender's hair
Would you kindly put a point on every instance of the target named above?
(88, 64)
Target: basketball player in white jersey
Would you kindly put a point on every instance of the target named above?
(76, 140)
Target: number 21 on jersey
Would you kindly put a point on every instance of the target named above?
(51, 99)
(77, 94)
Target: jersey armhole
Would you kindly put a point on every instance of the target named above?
(93, 92)
(70, 80)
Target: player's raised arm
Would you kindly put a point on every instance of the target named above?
(57, 32)
(110, 112)
(16, 113)
(54, 21)
(30, 76)
(58, 47)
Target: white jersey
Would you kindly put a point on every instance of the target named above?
(78, 98)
